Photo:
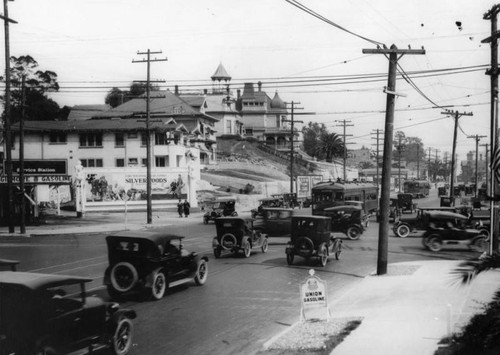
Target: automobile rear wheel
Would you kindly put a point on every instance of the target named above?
(46, 350)
(486, 233)
(304, 244)
(337, 247)
(217, 252)
(201, 273)
(121, 343)
(434, 244)
(247, 249)
(403, 230)
(353, 232)
(159, 285)
(289, 258)
(124, 276)
(323, 255)
(265, 245)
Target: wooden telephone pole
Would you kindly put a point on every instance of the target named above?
(456, 116)
(477, 138)
(377, 132)
(344, 123)
(292, 140)
(394, 55)
(148, 60)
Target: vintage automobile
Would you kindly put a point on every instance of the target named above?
(348, 219)
(275, 221)
(450, 228)
(394, 210)
(311, 237)
(52, 314)
(237, 233)
(11, 264)
(151, 262)
(405, 226)
(266, 202)
(405, 202)
(221, 207)
(442, 191)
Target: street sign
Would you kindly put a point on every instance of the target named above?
(314, 299)
(40, 179)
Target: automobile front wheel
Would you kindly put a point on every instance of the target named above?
(124, 276)
(247, 249)
(159, 285)
(289, 258)
(480, 244)
(403, 230)
(353, 232)
(201, 273)
(265, 245)
(434, 244)
(323, 255)
(121, 343)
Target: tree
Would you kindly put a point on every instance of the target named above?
(330, 145)
(311, 134)
(116, 96)
(38, 107)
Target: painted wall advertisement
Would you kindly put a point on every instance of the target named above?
(305, 184)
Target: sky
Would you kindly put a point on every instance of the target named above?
(91, 45)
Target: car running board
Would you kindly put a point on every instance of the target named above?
(179, 282)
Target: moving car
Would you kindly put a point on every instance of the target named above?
(311, 237)
(275, 221)
(350, 220)
(449, 228)
(237, 233)
(52, 314)
(221, 207)
(151, 262)
(265, 203)
(408, 225)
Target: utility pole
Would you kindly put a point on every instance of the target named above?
(21, 156)
(418, 161)
(383, 239)
(377, 132)
(429, 165)
(493, 73)
(456, 116)
(477, 138)
(292, 140)
(8, 132)
(148, 60)
(436, 151)
(399, 148)
(486, 146)
(345, 124)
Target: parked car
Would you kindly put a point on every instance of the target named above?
(221, 207)
(52, 314)
(11, 264)
(405, 202)
(347, 219)
(266, 202)
(449, 228)
(152, 262)
(275, 221)
(311, 237)
(237, 233)
(394, 210)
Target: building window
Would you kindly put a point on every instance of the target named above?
(91, 140)
(161, 139)
(119, 140)
(144, 161)
(228, 127)
(120, 163)
(161, 161)
(144, 139)
(91, 163)
(133, 161)
(249, 131)
(57, 138)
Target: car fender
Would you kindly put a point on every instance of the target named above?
(244, 240)
(125, 312)
(215, 242)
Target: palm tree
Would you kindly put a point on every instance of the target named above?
(469, 269)
(330, 145)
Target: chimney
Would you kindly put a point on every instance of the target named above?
(238, 93)
(176, 90)
(259, 84)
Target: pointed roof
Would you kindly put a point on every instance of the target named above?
(277, 102)
(220, 74)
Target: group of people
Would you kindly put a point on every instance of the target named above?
(183, 208)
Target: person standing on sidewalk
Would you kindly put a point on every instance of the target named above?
(187, 206)
(180, 208)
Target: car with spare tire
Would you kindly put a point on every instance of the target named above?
(236, 234)
(151, 262)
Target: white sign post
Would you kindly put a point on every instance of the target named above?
(314, 299)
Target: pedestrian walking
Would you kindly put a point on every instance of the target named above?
(180, 208)
(187, 206)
